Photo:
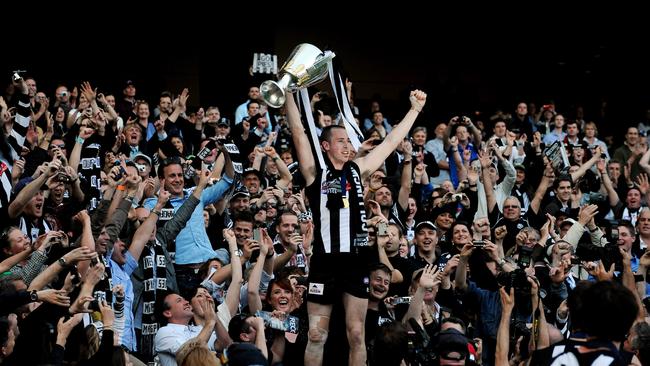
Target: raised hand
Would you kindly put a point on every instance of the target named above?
(55, 297)
(418, 99)
(78, 255)
(428, 276)
(507, 300)
(500, 232)
(642, 183)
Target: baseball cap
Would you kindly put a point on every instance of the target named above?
(143, 156)
(129, 83)
(424, 224)
(222, 256)
(248, 171)
(240, 191)
(452, 340)
(520, 166)
(223, 122)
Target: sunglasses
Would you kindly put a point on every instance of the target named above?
(511, 206)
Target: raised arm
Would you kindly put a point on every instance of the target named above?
(607, 182)
(254, 299)
(285, 174)
(378, 155)
(142, 235)
(407, 176)
(461, 272)
(232, 296)
(18, 204)
(306, 160)
(503, 334)
(587, 165)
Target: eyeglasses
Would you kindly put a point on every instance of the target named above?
(510, 206)
(60, 146)
(267, 206)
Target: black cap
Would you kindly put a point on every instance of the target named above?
(248, 171)
(223, 122)
(240, 191)
(129, 83)
(452, 340)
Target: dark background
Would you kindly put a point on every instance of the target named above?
(488, 65)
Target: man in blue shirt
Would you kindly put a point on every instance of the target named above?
(192, 246)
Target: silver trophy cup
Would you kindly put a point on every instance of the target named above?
(306, 66)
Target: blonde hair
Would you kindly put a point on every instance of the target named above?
(196, 353)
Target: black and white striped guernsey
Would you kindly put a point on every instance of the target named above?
(340, 225)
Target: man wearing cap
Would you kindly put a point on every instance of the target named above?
(144, 165)
(426, 245)
(522, 190)
(254, 181)
(127, 103)
(334, 190)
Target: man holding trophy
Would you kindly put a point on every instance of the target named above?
(339, 265)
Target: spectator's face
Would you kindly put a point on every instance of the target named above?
(240, 204)
(243, 231)
(62, 94)
(393, 242)
(31, 87)
(625, 238)
(522, 109)
(440, 130)
(377, 118)
(133, 135)
(578, 153)
(223, 130)
(500, 129)
(326, 120)
(102, 242)
(633, 199)
(271, 167)
(572, 130)
(179, 308)
(206, 218)
(129, 91)
(178, 144)
(413, 207)
(213, 115)
(174, 181)
(165, 105)
(462, 134)
(253, 109)
(614, 170)
(252, 182)
(403, 248)
(559, 121)
(286, 157)
(494, 174)
(34, 208)
(379, 284)
(18, 242)
(511, 209)
(521, 176)
(590, 131)
(563, 191)
(287, 226)
(643, 223)
(384, 197)
(110, 99)
(280, 299)
(426, 239)
(444, 221)
(147, 169)
(60, 115)
(143, 111)
(60, 144)
(632, 136)
(420, 138)
(461, 235)
(254, 92)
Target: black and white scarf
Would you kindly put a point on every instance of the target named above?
(155, 259)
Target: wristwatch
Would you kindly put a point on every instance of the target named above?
(33, 295)
(62, 262)
(501, 262)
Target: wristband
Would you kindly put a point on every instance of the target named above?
(156, 212)
(121, 187)
(80, 140)
(305, 216)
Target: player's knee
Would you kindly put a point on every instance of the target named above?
(317, 336)
(356, 335)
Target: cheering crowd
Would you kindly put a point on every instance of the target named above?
(138, 232)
